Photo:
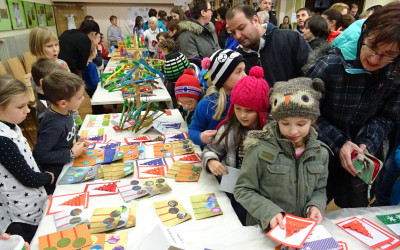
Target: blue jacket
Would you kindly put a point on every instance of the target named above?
(347, 40)
(202, 119)
(91, 76)
(231, 43)
(161, 25)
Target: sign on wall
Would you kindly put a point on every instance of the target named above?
(30, 14)
(17, 14)
(5, 22)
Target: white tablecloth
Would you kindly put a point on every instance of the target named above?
(102, 96)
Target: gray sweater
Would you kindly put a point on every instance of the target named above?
(112, 35)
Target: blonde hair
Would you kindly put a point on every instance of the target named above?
(340, 7)
(220, 103)
(38, 37)
(10, 87)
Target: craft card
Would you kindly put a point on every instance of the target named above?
(131, 189)
(190, 158)
(295, 233)
(102, 188)
(142, 138)
(115, 171)
(205, 206)
(391, 245)
(392, 221)
(92, 132)
(104, 219)
(173, 125)
(187, 172)
(182, 147)
(131, 152)
(171, 212)
(98, 121)
(132, 216)
(89, 158)
(228, 181)
(151, 168)
(78, 174)
(175, 137)
(60, 203)
(123, 220)
(343, 245)
(173, 170)
(97, 138)
(116, 241)
(69, 239)
(155, 186)
(70, 218)
(364, 232)
(98, 242)
(320, 239)
(162, 150)
(99, 173)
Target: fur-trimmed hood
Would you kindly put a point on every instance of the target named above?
(315, 54)
(195, 27)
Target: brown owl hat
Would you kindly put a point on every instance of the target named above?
(298, 97)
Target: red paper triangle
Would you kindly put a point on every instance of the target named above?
(110, 187)
(294, 226)
(357, 226)
(155, 171)
(78, 200)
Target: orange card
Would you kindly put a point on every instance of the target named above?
(188, 172)
(131, 152)
(162, 150)
(68, 239)
(98, 241)
(89, 158)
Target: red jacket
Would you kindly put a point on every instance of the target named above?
(104, 53)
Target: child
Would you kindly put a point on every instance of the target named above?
(225, 68)
(58, 142)
(160, 37)
(20, 177)
(188, 93)
(248, 111)
(41, 68)
(285, 168)
(138, 29)
(175, 64)
(113, 32)
(315, 31)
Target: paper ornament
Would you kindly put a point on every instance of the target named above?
(358, 227)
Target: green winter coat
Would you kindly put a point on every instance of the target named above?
(272, 180)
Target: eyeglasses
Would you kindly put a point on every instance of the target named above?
(187, 104)
(375, 53)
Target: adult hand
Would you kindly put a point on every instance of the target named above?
(278, 219)
(315, 214)
(216, 167)
(345, 156)
(207, 136)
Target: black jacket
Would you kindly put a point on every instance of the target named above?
(284, 54)
(75, 49)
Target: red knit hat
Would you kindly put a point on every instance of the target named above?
(251, 92)
(188, 85)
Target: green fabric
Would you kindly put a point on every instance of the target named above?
(272, 180)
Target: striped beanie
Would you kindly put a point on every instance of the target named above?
(221, 65)
(188, 86)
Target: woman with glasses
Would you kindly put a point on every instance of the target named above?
(361, 102)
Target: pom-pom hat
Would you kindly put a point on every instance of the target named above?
(298, 97)
(188, 85)
(221, 64)
(251, 92)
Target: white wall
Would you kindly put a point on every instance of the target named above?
(369, 3)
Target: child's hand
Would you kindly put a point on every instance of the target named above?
(278, 219)
(314, 214)
(207, 136)
(85, 141)
(5, 236)
(78, 148)
(216, 167)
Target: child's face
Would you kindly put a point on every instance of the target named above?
(295, 128)
(171, 33)
(247, 117)
(51, 49)
(164, 52)
(161, 38)
(76, 100)
(237, 74)
(16, 110)
(307, 34)
(188, 103)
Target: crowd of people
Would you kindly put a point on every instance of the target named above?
(288, 107)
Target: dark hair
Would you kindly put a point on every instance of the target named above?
(347, 20)
(89, 26)
(163, 34)
(318, 26)
(152, 12)
(178, 10)
(61, 85)
(374, 8)
(42, 67)
(222, 12)
(173, 24)
(306, 9)
(112, 18)
(353, 5)
(384, 25)
(167, 44)
(334, 15)
(88, 17)
(247, 10)
(137, 22)
(162, 14)
(198, 6)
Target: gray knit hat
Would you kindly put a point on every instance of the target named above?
(298, 97)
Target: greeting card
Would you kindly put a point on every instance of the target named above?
(132, 216)
(71, 217)
(89, 158)
(105, 219)
(171, 212)
(102, 188)
(205, 206)
(162, 150)
(98, 242)
(187, 172)
(116, 241)
(175, 137)
(69, 239)
(60, 203)
(182, 147)
(151, 168)
(115, 171)
(320, 239)
(155, 186)
(78, 174)
(343, 245)
(123, 220)
(391, 245)
(189, 158)
(142, 138)
(131, 189)
(295, 233)
(392, 221)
